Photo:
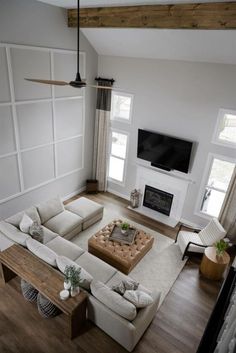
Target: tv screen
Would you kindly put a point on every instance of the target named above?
(163, 151)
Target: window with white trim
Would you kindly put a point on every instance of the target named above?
(225, 131)
(219, 176)
(121, 106)
(118, 154)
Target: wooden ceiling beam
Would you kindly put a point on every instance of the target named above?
(218, 15)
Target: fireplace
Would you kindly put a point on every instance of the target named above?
(157, 200)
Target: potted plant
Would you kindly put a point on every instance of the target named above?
(221, 246)
(124, 227)
(72, 279)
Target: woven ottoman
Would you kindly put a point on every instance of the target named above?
(90, 211)
(28, 291)
(121, 256)
(46, 308)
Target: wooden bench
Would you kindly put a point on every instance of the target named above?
(17, 261)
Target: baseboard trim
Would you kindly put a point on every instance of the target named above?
(74, 193)
(118, 194)
(190, 224)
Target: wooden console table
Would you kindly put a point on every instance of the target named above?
(17, 261)
(213, 266)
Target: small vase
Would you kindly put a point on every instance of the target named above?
(67, 285)
(74, 291)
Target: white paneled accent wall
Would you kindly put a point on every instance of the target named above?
(41, 126)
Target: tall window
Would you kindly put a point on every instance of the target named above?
(225, 132)
(219, 176)
(118, 154)
(121, 106)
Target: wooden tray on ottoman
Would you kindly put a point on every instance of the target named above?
(124, 257)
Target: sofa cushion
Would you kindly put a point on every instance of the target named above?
(97, 268)
(48, 235)
(85, 277)
(25, 223)
(50, 209)
(13, 233)
(16, 219)
(42, 251)
(65, 248)
(139, 298)
(84, 208)
(113, 300)
(63, 223)
(5, 242)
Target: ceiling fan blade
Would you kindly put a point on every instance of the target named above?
(100, 87)
(48, 82)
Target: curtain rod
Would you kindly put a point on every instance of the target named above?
(105, 79)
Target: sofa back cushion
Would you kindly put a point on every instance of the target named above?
(16, 219)
(85, 277)
(42, 251)
(113, 300)
(13, 233)
(50, 208)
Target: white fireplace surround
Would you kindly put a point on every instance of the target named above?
(168, 183)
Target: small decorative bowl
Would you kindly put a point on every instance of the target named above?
(64, 294)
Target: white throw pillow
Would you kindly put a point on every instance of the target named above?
(16, 219)
(25, 223)
(42, 251)
(13, 233)
(85, 277)
(139, 298)
(113, 300)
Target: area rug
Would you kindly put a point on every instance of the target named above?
(158, 269)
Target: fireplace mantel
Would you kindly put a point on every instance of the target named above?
(168, 183)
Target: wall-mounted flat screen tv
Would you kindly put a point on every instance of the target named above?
(163, 151)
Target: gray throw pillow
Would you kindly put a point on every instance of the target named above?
(36, 231)
(127, 284)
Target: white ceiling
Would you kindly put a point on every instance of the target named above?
(95, 3)
(217, 46)
(191, 45)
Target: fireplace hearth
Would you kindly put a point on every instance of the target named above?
(157, 200)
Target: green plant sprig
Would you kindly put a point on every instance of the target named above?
(124, 226)
(72, 275)
(221, 246)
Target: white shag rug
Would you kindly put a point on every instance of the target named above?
(158, 269)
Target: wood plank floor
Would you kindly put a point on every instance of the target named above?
(177, 327)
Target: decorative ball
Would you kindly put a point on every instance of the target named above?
(28, 291)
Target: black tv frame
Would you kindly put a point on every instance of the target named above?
(162, 166)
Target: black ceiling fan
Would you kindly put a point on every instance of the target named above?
(77, 83)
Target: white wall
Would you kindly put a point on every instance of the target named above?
(177, 98)
(29, 22)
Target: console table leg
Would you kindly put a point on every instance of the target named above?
(77, 320)
(6, 273)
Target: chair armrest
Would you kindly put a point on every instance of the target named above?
(192, 243)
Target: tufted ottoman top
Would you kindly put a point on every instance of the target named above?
(122, 256)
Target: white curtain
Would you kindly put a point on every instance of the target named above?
(101, 135)
(227, 215)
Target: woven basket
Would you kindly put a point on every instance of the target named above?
(46, 308)
(28, 291)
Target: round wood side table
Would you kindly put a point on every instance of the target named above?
(213, 266)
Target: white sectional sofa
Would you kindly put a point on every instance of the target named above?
(117, 317)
